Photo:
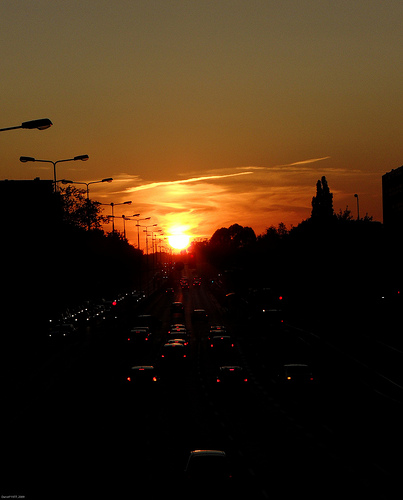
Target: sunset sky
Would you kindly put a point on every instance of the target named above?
(206, 113)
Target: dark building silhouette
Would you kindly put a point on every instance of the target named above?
(28, 205)
(392, 198)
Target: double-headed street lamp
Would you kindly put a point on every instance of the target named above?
(25, 159)
(107, 179)
(113, 212)
(124, 222)
(41, 124)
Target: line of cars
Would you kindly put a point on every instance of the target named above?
(297, 376)
(68, 323)
(228, 372)
(172, 357)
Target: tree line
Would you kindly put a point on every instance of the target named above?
(329, 262)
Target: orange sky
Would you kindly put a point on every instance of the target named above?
(207, 113)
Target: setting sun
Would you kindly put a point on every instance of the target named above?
(179, 241)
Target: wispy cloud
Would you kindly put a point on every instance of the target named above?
(182, 181)
(304, 162)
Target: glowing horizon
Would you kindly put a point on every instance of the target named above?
(207, 114)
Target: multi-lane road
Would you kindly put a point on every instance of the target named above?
(75, 429)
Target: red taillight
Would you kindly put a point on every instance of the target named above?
(211, 345)
(162, 355)
(141, 369)
(232, 369)
(311, 379)
(218, 380)
(129, 379)
(184, 355)
(128, 339)
(245, 379)
(154, 379)
(232, 345)
(114, 303)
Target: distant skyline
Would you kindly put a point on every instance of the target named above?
(206, 113)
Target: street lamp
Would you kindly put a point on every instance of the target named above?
(358, 207)
(138, 229)
(25, 159)
(41, 124)
(65, 181)
(146, 231)
(113, 212)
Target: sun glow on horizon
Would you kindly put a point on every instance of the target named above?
(179, 241)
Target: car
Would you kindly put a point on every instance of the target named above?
(142, 375)
(62, 330)
(296, 374)
(196, 282)
(178, 341)
(178, 333)
(173, 352)
(208, 468)
(177, 308)
(217, 330)
(231, 375)
(222, 342)
(177, 329)
(220, 328)
(139, 334)
(199, 315)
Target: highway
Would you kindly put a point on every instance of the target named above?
(75, 430)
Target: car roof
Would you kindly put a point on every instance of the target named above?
(293, 365)
(208, 453)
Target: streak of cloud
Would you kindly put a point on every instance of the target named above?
(183, 181)
(304, 162)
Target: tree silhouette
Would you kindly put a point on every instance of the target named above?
(80, 211)
(322, 203)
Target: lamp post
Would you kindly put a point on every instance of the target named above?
(358, 207)
(113, 212)
(146, 231)
(138, 229)
(124, 222)
(25, 159)
(65, 181)
(153, 247)
(41, 124)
